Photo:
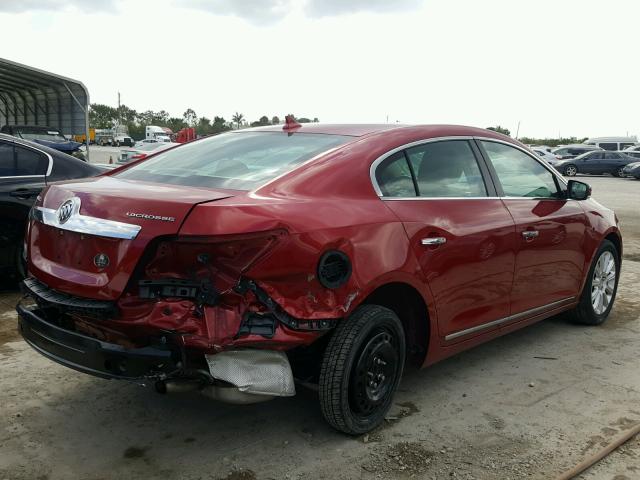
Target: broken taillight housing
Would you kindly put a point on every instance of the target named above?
(221, 258)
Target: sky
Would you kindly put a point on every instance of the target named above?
(556, 67)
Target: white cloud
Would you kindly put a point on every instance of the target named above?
(87, 6)
(327, 8)
(259, 12)
(268, 12)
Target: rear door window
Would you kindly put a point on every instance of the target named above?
(7, 160)
(519, 174)
(446, 169)
(30, 162)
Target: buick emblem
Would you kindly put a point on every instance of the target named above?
(65, 211)
(101, 260)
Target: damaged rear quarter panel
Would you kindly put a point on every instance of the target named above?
(288, 273)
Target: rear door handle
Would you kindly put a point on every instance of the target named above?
(24, 193)
(433, 241)
(530, 234)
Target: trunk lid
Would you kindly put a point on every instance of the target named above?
(88, 255)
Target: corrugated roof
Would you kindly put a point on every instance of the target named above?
(30, 96)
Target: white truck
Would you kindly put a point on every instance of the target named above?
(158, 134)
(114, 136)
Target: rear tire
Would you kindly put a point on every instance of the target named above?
(361, 369)
(600, 289)
(570, 170)
(619, 172)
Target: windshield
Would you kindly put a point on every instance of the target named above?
(32, 133)
(240, 161)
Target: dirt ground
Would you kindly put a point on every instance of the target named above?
(525, 406)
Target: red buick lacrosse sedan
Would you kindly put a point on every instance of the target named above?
(242, 264)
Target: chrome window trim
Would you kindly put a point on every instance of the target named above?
(510, 318)
(79, 223)
(381, 158)
(24, 176)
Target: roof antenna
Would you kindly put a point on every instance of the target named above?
(290, 123)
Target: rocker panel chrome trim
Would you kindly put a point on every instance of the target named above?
(510, 318)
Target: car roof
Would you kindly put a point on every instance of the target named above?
(363, 129)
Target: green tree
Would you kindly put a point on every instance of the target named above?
(190, 117)
(204, 126)
(275, 120)
(237, 119)
(264, 120)
(499, 129)
(303, 120)
(102, 116)
(174, 123)
(219, 125)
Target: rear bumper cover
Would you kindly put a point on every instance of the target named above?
(90, 355)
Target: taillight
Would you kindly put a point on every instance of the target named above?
(222, 258)
(138, 156)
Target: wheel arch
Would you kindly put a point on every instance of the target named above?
(410, 306)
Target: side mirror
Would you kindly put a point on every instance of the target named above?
(578, 190)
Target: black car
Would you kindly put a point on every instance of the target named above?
(25, 169)
(598, 163)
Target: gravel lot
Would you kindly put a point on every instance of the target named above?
(527, 405)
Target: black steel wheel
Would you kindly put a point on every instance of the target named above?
(361, 369)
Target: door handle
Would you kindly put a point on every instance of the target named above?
(433, 241)
(530, 234)
(24, 193)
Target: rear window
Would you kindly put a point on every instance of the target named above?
(240, 161)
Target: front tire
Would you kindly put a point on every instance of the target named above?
(600, 289)
(361, 369)
(619, 172)
(570, 170)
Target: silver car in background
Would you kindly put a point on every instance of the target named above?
(545, 154)
(142, 151)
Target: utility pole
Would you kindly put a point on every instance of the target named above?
(119, 119)
(518, 130)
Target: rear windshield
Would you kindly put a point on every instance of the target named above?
(241, 161)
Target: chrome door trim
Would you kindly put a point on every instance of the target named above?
(381, 158)
(510, 318)
(79, 223)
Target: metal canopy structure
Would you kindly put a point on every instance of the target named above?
(30, 96)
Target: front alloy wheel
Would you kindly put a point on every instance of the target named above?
(361, 369)
(570, 170)
(603, 282)
(619, 172)
(600, 288)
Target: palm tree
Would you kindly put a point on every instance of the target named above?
(237, 118)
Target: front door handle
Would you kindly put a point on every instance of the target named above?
(530, 234)
(24, 193)
(433, 241)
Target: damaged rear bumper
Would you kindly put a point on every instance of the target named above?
(90, 355)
